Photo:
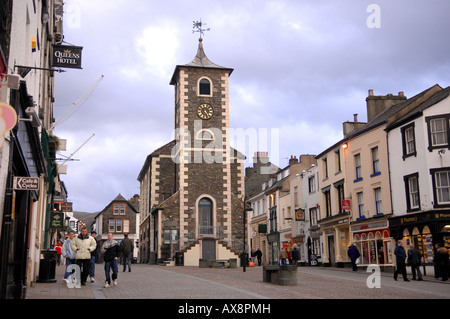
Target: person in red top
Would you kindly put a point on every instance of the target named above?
(58, 248)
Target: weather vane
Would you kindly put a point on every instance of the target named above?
(198, 26)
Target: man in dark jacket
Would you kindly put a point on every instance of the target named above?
(400, 256)
(353, 254)
(295, 255)
(414, 261)
(126, 246)
(111, 251)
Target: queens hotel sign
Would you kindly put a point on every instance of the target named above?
(65, 56)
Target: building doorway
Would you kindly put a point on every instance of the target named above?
(331, 251)
(208, 249)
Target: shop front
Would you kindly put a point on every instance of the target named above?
(425, 230)
(336, 239)
(374, 242)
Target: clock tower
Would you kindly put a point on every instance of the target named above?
(202, 219)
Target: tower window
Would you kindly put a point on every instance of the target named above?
(204, 87)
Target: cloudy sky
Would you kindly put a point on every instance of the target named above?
(301, 69)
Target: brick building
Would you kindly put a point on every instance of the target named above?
(192, 188)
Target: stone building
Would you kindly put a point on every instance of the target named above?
(192, 188)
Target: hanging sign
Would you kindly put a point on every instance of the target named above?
(65, 56)
(57, 220)
(26, 183)
(300, 215)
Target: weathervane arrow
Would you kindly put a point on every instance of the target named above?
(198, 25)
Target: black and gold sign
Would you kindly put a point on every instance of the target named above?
(205, 111)
(65, 56)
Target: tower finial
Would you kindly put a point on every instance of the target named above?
(198, 25)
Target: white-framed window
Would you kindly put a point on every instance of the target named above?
(358, 172)
(112, 226)
(375, 161)
(378, 201)
(413, 190)
(360, 198)
(126, 225)
(443, 187)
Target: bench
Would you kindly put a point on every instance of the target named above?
(218, 263)
(284, 275)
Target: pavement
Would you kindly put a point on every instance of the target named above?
(193, 283)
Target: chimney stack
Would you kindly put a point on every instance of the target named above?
(377, 104)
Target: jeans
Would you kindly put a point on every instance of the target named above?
(92, 268)
(111, 265)
(68, 263)
(415, 268)
(126, 261)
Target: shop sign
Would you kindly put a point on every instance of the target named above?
(67, 207)
(57, 220)
(8, 119)
(26, 183)
(262, 228)
(66, 56)
(273, 237)
(346, 204)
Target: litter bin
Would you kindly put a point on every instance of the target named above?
(244, 259)
(47, 266)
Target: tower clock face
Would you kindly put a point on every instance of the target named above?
(205, 111)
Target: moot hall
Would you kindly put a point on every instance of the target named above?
(192, 188)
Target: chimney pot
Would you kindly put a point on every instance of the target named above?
(371, 92)
(401, 93)
(355, 117)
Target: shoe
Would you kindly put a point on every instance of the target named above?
(115, 282)
(406, 280)
(83, 283)
(92, 279)
(420, 279)
(106, 284)
(129, 269)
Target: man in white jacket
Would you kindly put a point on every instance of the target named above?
(83, 245)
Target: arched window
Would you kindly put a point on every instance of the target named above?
(205, 216)
(204, 87)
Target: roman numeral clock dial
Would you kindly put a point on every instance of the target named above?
(205, 111)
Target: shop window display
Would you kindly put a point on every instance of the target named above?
(423, 242)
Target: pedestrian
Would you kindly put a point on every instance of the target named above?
(400, 257)
(295, 255)
(126, 246)
(83, 245)
(441, 259)
(353, 254)
(94, 256)
(68, 253)
(111, 251)
(282, 256)
(259, 256)
(253, 255)
(414, 262)
(58, 248)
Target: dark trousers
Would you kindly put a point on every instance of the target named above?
(401, 268)
(85, 265)
(354, 266)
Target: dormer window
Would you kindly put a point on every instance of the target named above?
(204, 87)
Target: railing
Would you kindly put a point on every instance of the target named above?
(214, 232)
